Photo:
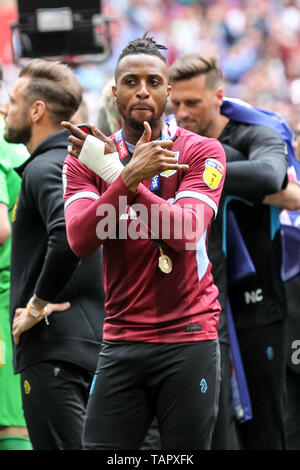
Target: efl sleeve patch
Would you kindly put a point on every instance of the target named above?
(213, 173)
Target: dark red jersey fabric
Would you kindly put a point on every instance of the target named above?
(143, 303)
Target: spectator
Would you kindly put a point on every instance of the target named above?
(82, 114)
(109, 116)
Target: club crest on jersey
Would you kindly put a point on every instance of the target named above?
(213, 173)
(168, 173)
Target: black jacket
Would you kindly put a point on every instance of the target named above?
(43, 263)
(256, 166)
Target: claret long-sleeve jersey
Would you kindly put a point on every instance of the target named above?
(142, 302)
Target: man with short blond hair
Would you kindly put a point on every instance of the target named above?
(256, 169)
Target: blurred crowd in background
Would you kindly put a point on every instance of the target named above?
(257, 42)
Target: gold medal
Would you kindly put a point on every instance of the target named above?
(164, 262)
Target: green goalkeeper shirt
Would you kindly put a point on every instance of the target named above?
(11, 156)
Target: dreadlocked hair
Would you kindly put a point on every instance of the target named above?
(145, 45)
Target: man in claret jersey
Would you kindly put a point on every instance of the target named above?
(160, 351)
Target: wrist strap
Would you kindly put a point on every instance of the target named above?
(36, 313)
(107, 166)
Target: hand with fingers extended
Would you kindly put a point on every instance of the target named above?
(78, 137)
(96, 151)
(149, 159)
(23, 321)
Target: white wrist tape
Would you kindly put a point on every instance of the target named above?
(108, 166)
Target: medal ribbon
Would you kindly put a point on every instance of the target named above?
(125, 156)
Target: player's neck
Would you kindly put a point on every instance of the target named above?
(219, 126)
(40, 133)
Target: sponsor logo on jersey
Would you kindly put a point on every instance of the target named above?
(213, 173)
(168, 173)
(155, 183)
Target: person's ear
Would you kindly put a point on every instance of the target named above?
(220, 95)
(37, 111)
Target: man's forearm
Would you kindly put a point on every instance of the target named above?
(84, 216)
(178, 225)
(253, 178)
(288, 198)
(59, 265)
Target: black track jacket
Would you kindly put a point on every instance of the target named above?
(43, 263)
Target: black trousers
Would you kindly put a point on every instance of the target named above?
(225, 435)
(264, 355)
(177, 383)
(55, 396)
(293, 410)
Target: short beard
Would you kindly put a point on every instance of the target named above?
(18, 136)
(139, 126)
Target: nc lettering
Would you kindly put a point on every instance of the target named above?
(253, 297)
